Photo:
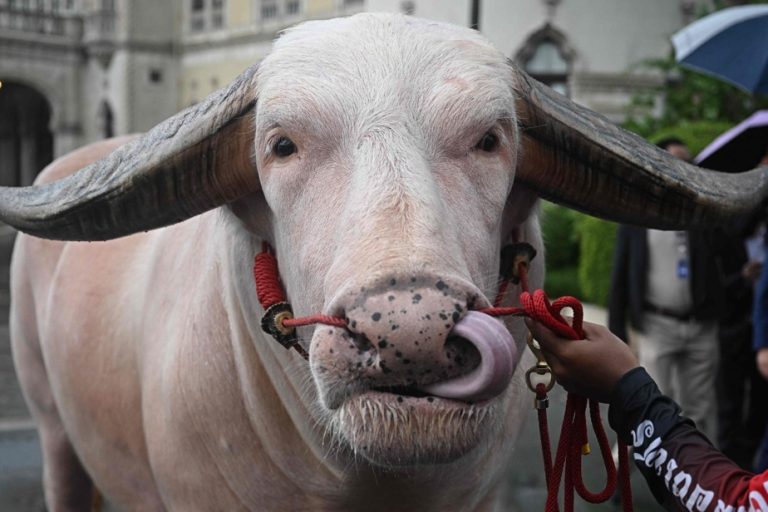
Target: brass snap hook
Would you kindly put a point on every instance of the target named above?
(541, 368)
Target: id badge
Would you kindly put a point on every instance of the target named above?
(683, 269)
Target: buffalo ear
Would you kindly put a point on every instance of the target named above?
(578, 158)
(197, 160)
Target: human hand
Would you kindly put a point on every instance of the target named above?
(751, 271)
(590, 367)
(762, 362)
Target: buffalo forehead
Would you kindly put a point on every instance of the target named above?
(321, 73)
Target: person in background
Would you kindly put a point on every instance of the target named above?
(742, 393)
(761, 353)
(667, 284)
(760, 338)
(760, 317)
(683, 469)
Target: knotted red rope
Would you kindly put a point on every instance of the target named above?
(268, 288)
(279, 321)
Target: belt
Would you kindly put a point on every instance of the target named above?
(678, 315)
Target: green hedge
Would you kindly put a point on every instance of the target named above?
(558, 227)
(579, 251)
(562, 281)
(596, 241)
(561, 242)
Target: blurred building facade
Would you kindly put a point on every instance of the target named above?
(75, 71)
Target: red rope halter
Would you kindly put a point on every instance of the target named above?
(279, 322)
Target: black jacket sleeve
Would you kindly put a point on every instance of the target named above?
(682, 468)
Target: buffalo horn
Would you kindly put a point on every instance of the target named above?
(576, 157)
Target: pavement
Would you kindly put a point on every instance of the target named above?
(21, 463)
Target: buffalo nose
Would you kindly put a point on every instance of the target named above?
(422, 335)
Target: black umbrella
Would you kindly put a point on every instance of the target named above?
(739, 149)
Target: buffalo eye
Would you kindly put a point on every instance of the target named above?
(488, 142)
(284, 147)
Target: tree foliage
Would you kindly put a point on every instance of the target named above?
(689, 99)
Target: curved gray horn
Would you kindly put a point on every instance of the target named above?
(196, 160)
(573, 156)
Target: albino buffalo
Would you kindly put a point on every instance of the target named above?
(387, 160)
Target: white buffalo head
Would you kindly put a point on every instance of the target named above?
(387, 160)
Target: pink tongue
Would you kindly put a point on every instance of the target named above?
(498, 358)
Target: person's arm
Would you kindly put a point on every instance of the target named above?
(682, 468)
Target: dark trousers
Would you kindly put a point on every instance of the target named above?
(741, 395)
(762, 454)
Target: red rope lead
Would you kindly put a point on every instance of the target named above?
(605, 451)
(504, 311)
(624, 481)
(335, 321)
(546, 448)
(573, 434)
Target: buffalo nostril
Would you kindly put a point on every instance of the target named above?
(463, 353)
(361, 341)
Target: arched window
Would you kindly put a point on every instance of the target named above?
(26, 143)
(547, 58)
